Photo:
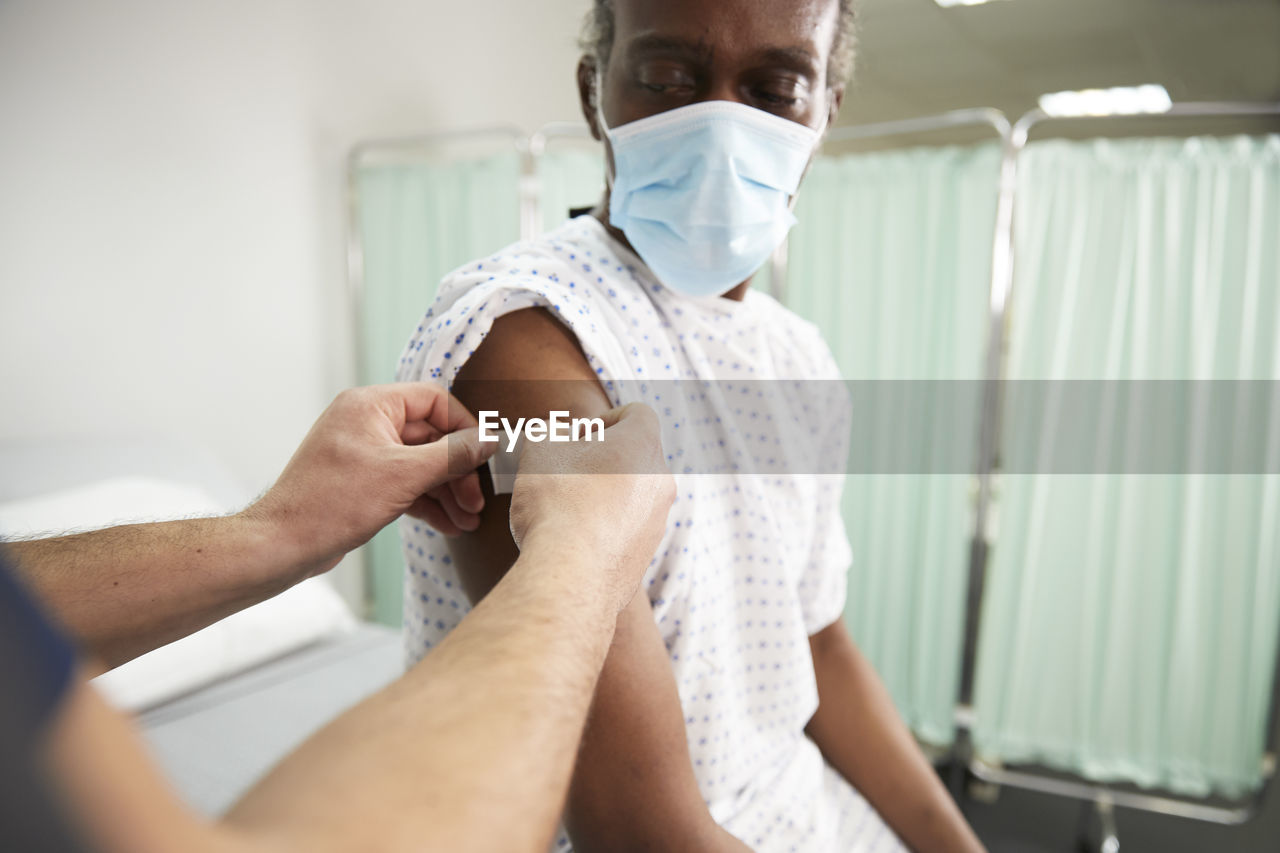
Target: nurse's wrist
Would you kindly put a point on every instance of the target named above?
(568, 551)
(288, 547)
(567, 555)
(589, 566)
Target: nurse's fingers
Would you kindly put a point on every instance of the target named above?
(466, 491)
(419, 432)
(429, 402)
(449, 461)
(447, 466)
(461, 518)
(429, 510)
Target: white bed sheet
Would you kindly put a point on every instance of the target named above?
(214, 744)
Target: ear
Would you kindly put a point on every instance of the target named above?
(835, 97)
(588, 95)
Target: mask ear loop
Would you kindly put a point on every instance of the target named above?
(813, 155)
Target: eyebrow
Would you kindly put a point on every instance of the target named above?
(796, 58)
(799, 59)
(654, 43)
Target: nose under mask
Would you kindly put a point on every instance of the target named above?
(703, 192)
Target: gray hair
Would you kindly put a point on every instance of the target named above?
(596, 39)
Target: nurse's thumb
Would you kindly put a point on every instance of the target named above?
(452, 456)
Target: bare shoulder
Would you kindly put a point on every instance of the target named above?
(529, 364)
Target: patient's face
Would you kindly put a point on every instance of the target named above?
(767, 54)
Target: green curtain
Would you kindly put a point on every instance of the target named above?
(1130, 622)
(892, 259)
(418, 221)
(568, 178)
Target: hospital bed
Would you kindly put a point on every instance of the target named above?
(219, 708)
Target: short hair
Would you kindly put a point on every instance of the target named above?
(596, 39)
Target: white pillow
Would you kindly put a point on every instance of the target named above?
(300, 616)
(105, 503)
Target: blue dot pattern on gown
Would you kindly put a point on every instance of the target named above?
(751, 564)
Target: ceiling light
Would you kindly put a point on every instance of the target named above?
(1121, 100)
(947, 4)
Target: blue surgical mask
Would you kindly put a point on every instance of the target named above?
(703, 192)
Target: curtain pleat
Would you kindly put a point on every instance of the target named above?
(1130, 623)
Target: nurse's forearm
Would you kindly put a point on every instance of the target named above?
(473, 748)
(861, 734)
(470, 751)
(126, 590)
(372, 456)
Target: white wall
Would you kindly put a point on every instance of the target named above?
(171, 196)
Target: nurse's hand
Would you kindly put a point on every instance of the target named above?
(606, 500)
(375, 454)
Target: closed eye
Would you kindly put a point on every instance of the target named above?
(776, 99)
(662, 88)
(784, 93)
(665, 77)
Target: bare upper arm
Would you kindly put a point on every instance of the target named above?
(633, 785)
(528, 365)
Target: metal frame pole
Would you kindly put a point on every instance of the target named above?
(538, 142)
(924, 124)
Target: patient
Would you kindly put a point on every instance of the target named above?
(734, 711)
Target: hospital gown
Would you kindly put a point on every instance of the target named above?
(754, 557)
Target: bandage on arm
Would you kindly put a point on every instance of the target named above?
(633, 786)
(503, 466)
